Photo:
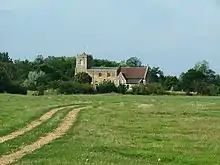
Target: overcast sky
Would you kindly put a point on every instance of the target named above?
(172, 34)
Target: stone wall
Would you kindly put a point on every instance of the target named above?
(101, 74)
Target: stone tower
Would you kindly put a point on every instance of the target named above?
(83, 62)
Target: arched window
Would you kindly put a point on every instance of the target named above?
(100, 74)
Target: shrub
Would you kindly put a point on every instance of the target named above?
(66, 87)
(83, 78)
(15, 88)
(40, 90)
(122, 88)
(155, 88)
(139, 90)
(54, 84)
(106, 87)
(69, 87)
(211, 90)
(2, 87)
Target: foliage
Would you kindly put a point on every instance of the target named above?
(171, 83)
(139, 90)
(70, 87)
(122, 88)
(83, 78)
(34, 80)
(133, 62)
(106, 87)
(104, 63)
(156, 75)
(156, 89)
(15, 88)
(4, 57)
(45, 73)
(150, 89)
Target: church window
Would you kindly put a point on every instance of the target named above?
(108, 74)
(100, 74)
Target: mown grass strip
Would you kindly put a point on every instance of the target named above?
(33, 135)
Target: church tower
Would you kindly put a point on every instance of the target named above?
(83, 62)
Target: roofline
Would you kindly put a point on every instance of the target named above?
(122, 76)
(84, 54)
(145, 74)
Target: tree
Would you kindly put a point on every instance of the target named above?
(4, 57)
(4, 80)
(171, 83)
(22, 69)
(202, 66)
(193, 81)
(133, 62)
(123, 63)
(104, 63)
(61, 67)
(156, 75)
(83, 78)
(34, 80)
(39, 59)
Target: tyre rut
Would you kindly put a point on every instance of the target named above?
(31, 125)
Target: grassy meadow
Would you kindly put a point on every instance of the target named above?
(116, 129)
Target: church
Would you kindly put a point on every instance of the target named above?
(119, 75)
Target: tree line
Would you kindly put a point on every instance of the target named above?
(58, 74)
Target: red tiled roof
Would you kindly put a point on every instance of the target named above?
(134, 72)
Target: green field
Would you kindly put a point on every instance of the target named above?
(115, 129)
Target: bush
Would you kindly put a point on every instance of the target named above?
(156, 89)
(211, 90)
(106, 87)
(66, 87)
(40, 90)
(54, 84)
(15, 88)
(2, 87)
(83, 78)
(122, 88)
(139, 90)
(69, 87)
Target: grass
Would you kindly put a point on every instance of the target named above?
(35, 134)
(16, 111)
(127, 130)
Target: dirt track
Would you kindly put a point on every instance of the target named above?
(58, 132)
(32, 125)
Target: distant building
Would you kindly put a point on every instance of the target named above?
(119, 75)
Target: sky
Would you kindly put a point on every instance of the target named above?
(170, 34)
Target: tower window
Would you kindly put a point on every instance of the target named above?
(100, 74)
(81, 61)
